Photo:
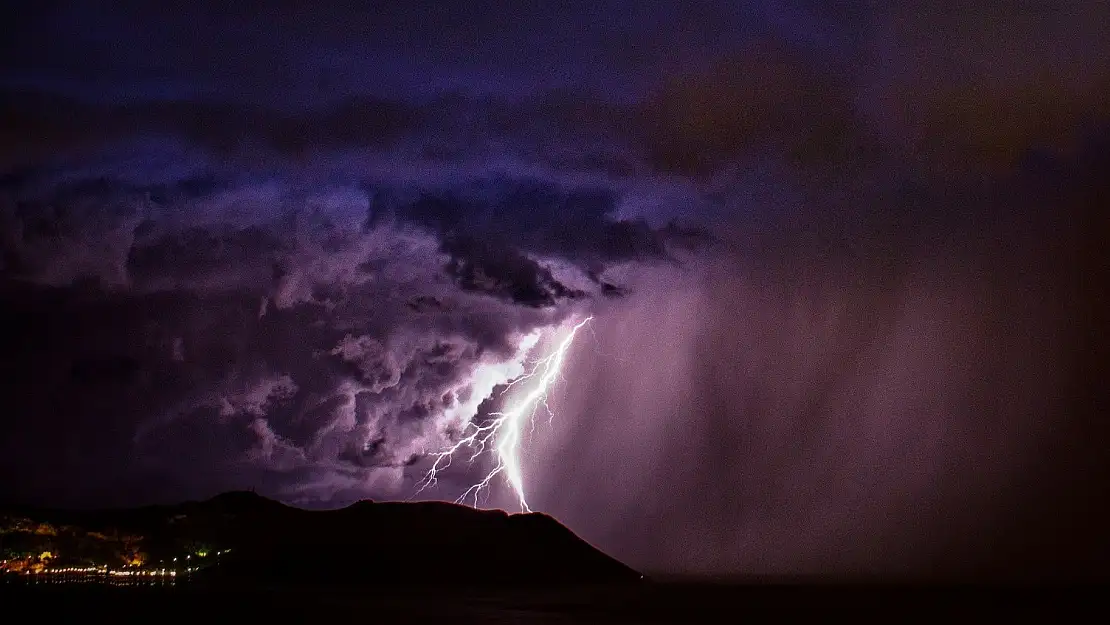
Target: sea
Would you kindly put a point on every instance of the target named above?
(435, 602)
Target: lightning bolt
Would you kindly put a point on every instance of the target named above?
(501, 437)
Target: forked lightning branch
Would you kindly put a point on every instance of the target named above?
(502, 436)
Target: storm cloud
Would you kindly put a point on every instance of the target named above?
(308, 330)
(841, 263)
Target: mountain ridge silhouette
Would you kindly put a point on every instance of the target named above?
(257, 539)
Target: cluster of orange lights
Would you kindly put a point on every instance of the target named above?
(39, 566)
(112, 572)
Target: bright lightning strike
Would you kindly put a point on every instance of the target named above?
(502, 436)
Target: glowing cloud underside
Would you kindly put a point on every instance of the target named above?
(501, 437)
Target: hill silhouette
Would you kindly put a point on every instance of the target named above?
(242, 537)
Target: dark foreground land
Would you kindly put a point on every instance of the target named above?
(636, 603)
(239, 558)
(236, 539)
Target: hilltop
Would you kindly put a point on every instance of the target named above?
(241, 537)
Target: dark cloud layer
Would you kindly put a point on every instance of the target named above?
(333, 341)
(478, 266)
(40, 120)
(843, 265)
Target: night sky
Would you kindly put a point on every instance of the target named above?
(845, 267)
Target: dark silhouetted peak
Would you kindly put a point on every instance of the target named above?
(256, 539)
(242, 499)
(362, 504)
(399, 543)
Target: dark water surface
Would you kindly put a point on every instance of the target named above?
(666, 602)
